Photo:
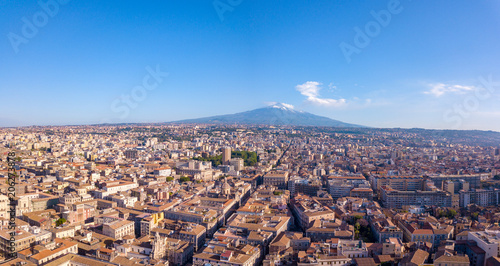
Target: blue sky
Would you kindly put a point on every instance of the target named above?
(434, 64)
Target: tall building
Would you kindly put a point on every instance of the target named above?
(455, 186)
(226, 155)
(237, 163)
(481, 197)
(131, 154)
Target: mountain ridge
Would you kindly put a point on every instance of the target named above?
(277, 114)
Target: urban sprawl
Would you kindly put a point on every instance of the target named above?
(186, 194)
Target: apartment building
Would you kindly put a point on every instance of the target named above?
(163, 171)
(340, 188)
(63, 232)
(150, 222)
(304, 186)
(198, 169)
(229, 254)
(209, 218)
(78, 213)
(487, 241)
(194, 234)
(352, 248)
(402, 183)
(432, 233)
(69, 199)
(23, 240)
(306, 209)
(481, 197)
(365, 193)
(396, 199)
(118, 229)
(474, 181)
(385, 229)
(237, 163)
(274, 224)
(131, 154)
(277, 179)
(178, 252)
(121, 186)
(62, 247)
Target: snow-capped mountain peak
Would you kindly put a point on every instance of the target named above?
(283, 106)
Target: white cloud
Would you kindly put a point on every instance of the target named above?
(328, 102)
(439, 89)
(311, 90)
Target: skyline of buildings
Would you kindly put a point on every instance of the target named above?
(194, 194)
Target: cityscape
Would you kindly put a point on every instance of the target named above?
(205, 194)
(249, 133)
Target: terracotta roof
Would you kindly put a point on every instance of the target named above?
(453, 259)
(365, 261)
(417, 257)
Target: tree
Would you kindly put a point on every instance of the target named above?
(216, 160)
(184, 179)
(451, 213)
(357, 226)
(60, 221)
(169, 178)
(496, 177)
(356, 230)
(249, 158)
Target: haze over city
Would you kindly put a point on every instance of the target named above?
(378, 64)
